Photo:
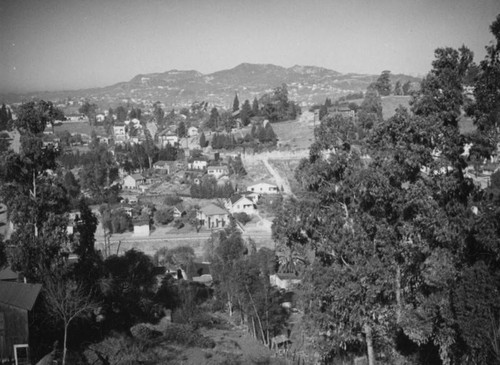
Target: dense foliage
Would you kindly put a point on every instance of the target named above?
(404, 249)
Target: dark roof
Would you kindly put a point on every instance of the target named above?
(235, 198)
(19, 294)
(137, 177)
(7, 274)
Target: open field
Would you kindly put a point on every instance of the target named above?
(294, 134)
(74, 127)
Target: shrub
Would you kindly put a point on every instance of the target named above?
(242, 217)
(164, 216)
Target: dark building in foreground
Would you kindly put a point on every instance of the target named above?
(16, 303)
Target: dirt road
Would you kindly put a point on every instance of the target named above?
(280, 181)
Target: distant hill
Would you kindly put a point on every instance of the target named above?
(306, 85)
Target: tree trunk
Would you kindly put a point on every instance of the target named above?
(399, 304)
(369, 344)
(64, 345)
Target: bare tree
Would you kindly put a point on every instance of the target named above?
(66, 300)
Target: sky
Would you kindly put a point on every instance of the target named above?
(74, 44)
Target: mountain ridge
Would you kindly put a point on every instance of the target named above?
(306, 84)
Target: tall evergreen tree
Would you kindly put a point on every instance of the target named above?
(236, 103)
(255, 108)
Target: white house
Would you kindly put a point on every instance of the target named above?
(162, 166)
(119, 134)
(192, 131)
(263, 188)
(197, 165)
(217, 171)
(212, 216)
(133, 181)
(168, 138)
(141, 228)
(284, 281)
(241, 204)
(100, 118)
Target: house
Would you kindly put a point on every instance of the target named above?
(200, 272)
(178, 210)
(119, 133)
(7, 274)
(197, 165)
(217, 171)
(212, 216)
(167, 137)
(263, 188)
(192, 131)
(162, 166)
(133, 181)
(253, 197)
(284, 281)
(239, 204)
(16, 304)
(141, 228)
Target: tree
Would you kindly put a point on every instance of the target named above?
(387, 241)
(485, 110)
(406, 87)
(255, 108)
(66, 300)
(213, 121)
(383, 83)
(397, 88)
(236, 103)
(370, 111)
(33, 116)
(245, 113)
(5, 118)
(181, 130)
(164, 216)
(121, 113)
(441, 90)
(203, 140)
(89, 110)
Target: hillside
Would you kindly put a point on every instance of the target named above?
(306, 84)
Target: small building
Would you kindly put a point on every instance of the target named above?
(16, 304)
(133, 181)
(197, 165)
(141, 228)
(263, 188)
(284, 281)
(162, 166)
(217, 171)
(178, 210)
(168, 138)
(7, 274)
(241, 204)
(212, 216)
(192, 131)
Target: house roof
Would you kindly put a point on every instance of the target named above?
(217, 167)
(213, 209)
(235, 198)
(161, 163)
(7, 273)
(19, 294)
(263, 183)
(137, 177)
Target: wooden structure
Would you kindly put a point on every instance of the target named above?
(16, 302)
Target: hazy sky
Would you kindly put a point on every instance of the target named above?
(70, 44)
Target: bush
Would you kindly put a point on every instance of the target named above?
(186, 335)
(242, 217)
(164, 216)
